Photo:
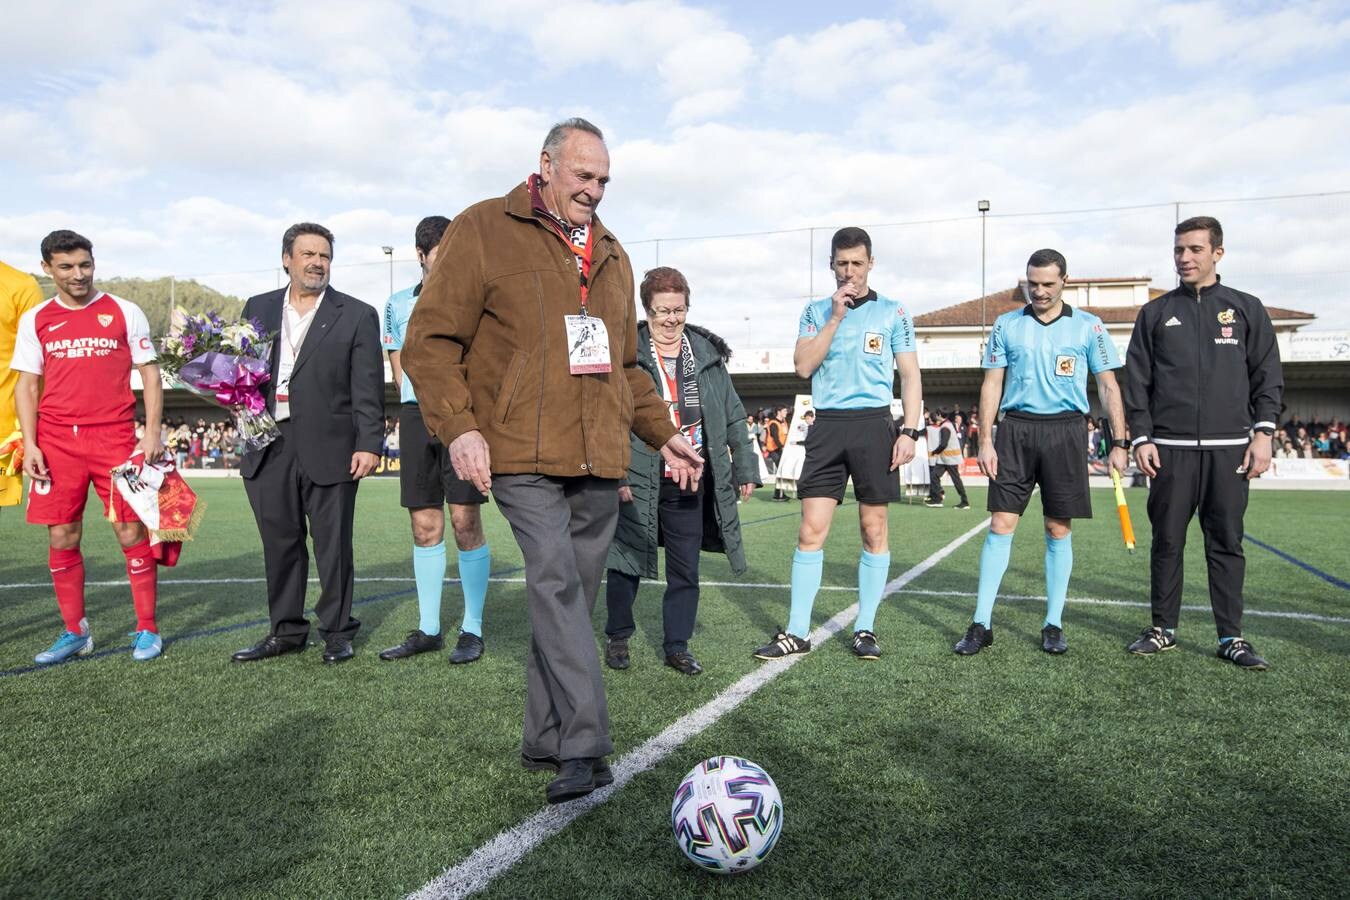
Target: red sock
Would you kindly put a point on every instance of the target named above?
(144, 576)
(68, 579)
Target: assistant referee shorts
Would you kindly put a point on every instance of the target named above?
(1050, 451)
(851, 443)
(425, 475)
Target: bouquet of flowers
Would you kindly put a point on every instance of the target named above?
(226, 362)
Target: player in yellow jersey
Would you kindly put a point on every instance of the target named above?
(19, 293)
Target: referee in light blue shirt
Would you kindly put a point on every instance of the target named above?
(849, 345)
(1036, 367)
(427, 484)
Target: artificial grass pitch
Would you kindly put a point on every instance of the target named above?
(922, 773)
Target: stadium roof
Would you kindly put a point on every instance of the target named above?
(967, 313)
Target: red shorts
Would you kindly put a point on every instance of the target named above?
(77, 455)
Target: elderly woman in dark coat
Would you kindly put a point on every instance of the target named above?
(688, 364)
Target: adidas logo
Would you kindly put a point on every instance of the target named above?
(1172, 321)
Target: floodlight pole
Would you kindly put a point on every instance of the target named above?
(983, 206)
(389, 252)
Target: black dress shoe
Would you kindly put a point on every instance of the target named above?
(683, 662)
(416, 642)
(469, 648)
(603, 774)
(539, 763)
(338, 650)
(616, 653)
(577, 778)
(266, 648)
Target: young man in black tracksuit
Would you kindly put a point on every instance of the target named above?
(1203, 389)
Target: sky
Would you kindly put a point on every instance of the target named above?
(183, 138)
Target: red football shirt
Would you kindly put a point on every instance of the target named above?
(84, 356)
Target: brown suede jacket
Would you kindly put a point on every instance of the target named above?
(487, 348)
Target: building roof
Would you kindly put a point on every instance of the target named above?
(967, 314)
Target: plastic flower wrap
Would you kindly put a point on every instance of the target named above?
(226, 362)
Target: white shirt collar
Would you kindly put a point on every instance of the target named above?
(288, 305)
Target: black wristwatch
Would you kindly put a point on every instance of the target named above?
(911, 433)
(1265, 429)
(1120, 445)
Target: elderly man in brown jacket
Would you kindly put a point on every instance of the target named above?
(523, 348)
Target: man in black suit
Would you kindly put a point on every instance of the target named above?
(327, 395)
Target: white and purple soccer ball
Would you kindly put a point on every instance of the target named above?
(727, 815)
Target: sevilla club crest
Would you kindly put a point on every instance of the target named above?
(104, 319)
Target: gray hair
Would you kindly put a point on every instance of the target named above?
(558, 133)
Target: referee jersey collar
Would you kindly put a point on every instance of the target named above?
(1064, 310)
(865, 298)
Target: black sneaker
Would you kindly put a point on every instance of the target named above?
(616, 653)
(784, 644)
(1052, 640)
(469, 648)
(964, 504)
(1153, 640)
(977, 638)
(1240, 653)
(865, 645)
(683, 662)
(933, 504)
(416, 642)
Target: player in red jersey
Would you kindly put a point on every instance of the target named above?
(74, 355)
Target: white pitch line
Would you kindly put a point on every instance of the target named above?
(761, 585)
(498, 855)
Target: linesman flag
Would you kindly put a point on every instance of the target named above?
(1123, 510)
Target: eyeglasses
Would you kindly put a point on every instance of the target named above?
(678, 312)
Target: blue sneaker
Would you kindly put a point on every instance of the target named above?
(146, 645)
(67, 645)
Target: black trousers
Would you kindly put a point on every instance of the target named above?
(284, 501)
(1206, 480)
(935, 479)
(680, 518)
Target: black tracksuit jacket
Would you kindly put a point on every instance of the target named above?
(1203, 369)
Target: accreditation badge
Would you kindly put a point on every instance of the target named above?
(587, 345)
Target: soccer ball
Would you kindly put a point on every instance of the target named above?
(727, 815)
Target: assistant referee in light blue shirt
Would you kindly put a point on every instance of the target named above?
(1036, 367)
(850, 345)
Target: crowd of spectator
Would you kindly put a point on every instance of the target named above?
(199, 443)
(1297, 439)
(214, 444)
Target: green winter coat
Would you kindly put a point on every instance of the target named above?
(636, 538)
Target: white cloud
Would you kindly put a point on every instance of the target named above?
(1204, 33)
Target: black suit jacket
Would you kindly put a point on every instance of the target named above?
(337, 385)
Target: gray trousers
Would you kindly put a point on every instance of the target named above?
(564, 527)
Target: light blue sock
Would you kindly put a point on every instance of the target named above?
(474, 568)
(806, 568)
(872, 571)
(1058, 566)
(1224, 642)
(429, 572)
(993, 563)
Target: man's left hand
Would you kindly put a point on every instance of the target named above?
(1118, 459)
(902, 452)
(363, 463)
(152, 448)
(747, 490)
(685, 463)
(1257, 458)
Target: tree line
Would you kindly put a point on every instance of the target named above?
(153, 296)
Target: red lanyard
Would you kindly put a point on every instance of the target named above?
(581, 253)
(672, 384)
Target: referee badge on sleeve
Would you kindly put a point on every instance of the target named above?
(872, 343)
(1065, 365)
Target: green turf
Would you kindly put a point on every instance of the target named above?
(920, 774)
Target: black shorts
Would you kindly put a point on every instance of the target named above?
(853, 443)
(425, 476)
(1047, 450)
